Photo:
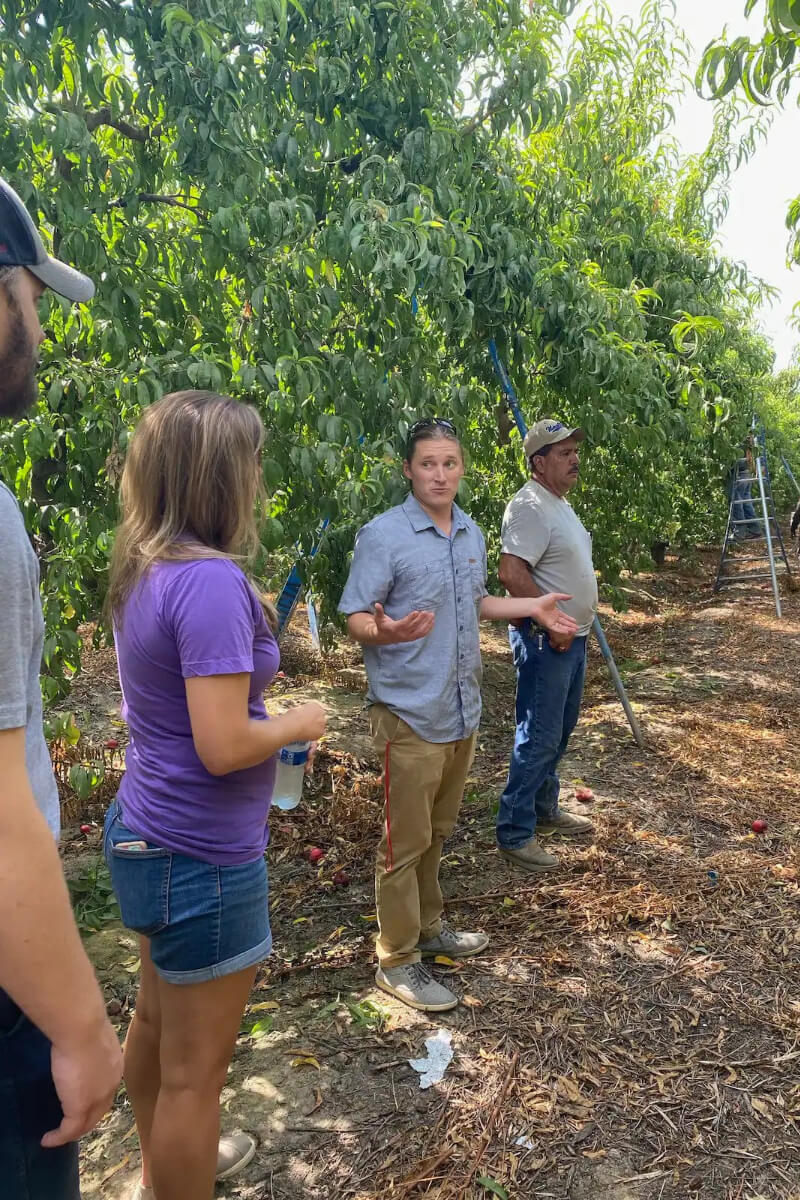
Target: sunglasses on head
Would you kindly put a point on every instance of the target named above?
(431, 423)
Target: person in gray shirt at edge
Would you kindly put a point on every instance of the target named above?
(414, 597)
(60, 1060)
(545, 546)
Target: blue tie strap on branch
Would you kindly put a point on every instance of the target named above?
(516, 412)
(290, 594)
(508, 389)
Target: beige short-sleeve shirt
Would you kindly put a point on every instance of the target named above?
(546, 532)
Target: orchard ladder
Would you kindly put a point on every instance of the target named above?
(762, 527)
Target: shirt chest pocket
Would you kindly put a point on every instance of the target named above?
(478, 581)
(427, 586)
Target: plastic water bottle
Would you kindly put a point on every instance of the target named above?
(292, 761)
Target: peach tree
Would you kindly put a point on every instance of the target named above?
(328, 207)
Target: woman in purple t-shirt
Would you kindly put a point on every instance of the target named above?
(186, 835)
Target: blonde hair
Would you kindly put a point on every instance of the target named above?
(189, 489)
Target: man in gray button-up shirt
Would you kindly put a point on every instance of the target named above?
(404, 560)
(415, 594)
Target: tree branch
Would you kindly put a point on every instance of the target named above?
(104, 116)
(487, 114)
(152, 198)
(134, 132)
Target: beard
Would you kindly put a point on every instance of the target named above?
(18, 389)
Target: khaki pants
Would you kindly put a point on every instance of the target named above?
(423, 785)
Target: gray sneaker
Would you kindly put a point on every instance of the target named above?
(530, 857)
(453, 944)
(234, 1152)
(567, 824)
(416, 987)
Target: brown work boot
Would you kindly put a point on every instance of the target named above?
(567, 824)
(530, 857)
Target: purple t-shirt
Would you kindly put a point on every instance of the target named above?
(185, 619)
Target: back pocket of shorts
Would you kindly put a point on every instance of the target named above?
(141, 884)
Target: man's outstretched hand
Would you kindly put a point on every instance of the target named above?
(559, 625)
(411, 628)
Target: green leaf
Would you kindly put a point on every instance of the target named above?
(261, 1027)
(787, 14)
(493, 1186)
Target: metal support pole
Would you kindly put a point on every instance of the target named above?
(788, 471)
(618, 684)
(768, 532)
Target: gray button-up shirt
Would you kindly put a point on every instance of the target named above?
(403, 561)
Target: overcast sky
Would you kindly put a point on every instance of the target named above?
(755, 228)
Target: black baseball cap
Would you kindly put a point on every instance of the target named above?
(21, 246)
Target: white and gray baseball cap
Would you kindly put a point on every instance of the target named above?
(21, 246)
(547, 433)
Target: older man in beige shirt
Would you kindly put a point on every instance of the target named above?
(545, 548)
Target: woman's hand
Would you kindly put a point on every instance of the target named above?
(545, 611)
(310, 721)
(227, 739)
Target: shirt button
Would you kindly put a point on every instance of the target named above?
(461, 627)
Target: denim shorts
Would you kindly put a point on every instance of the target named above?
(203, 921)
(29, 1107)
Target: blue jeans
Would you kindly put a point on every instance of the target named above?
(549, 690)
(740, 492)
(743, 510)
(29, 1107)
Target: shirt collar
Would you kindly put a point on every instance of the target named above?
(421, 520)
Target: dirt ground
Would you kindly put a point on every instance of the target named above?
(633, 1031)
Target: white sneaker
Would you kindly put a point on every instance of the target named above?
(453, 944)
(235, 1151)
(416, 987)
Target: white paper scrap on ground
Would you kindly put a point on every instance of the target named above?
(440, 1055)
